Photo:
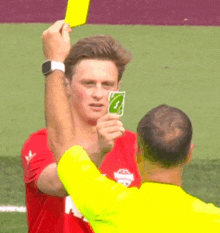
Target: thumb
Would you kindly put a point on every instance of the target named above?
(65, 33)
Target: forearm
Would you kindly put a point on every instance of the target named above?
(59, 119)
(95, 153)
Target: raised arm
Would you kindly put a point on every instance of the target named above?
(56, 43)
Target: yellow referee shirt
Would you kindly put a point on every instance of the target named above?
(111, 207)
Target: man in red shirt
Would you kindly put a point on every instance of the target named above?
(93, 67)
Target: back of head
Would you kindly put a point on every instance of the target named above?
(97, 47)
(165, 135)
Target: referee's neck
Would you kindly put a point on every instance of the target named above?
(153, 173)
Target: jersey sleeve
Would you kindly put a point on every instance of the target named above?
(36, 156)
(94, 195)
(208, 209)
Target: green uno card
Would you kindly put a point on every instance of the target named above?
(116, 102)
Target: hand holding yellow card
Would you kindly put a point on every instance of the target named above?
(77, 12)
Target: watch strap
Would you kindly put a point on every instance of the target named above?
(55, 65)
(49, 66)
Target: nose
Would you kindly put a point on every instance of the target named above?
(98, 92)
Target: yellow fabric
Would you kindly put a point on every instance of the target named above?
(111, 207)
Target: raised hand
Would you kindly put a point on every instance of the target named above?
(109, 127)
(56, 41)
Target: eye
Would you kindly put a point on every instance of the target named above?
(88, 83)
(109, 84)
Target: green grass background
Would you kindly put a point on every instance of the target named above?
(178, 66)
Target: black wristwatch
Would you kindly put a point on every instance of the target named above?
(49, 66)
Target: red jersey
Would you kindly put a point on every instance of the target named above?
(58, 214)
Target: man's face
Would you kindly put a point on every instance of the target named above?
(90, 86)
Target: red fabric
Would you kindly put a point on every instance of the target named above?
(59, 215)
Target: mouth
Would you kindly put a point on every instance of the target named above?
(96, 107)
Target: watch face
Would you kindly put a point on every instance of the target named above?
(46, 67)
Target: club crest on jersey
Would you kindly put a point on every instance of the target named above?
(123, 176)
(29, 156)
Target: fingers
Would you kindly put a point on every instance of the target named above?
(56, 27)
(113, 136)
(110, 133)
(109, 123)
(109, 116)
(65, 32)
(109, 130)
(67, 28)
(59, 27)
(116, 135)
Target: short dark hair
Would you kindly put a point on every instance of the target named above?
(164, 135)
(97, 47)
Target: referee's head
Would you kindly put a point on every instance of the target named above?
(164, 137)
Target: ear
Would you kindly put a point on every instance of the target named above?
(68, 86)
(139, 156)
(140, 160)
(119, 84)
(189, 156)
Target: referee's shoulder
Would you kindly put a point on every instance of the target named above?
(206, 208)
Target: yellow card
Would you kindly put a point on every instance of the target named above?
(77, 12)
